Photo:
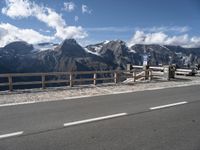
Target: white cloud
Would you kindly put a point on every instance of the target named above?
(182, 40)
(17, 8)
(176, 29)
(71, 31)
(3, 33)
(86, 9)
(111, 29)
(45, 31)
(179, 29)
(69, 6)
(140, 37)
(48, 31)
(76, 18)
(43, 14)
(10, 33)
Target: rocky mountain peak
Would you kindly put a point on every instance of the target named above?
(69, 55)
(71, 48)
(19, 47)
(117, 47)
(69, 42)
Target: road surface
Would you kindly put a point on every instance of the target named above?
(166, 119)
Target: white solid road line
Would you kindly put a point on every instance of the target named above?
(94, 119)
(14, 104)
(168, 105)
(11, 134)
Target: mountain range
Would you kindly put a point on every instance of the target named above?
(21, 57)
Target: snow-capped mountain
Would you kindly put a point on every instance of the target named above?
(69, 55)
(96, 48)
(159, 54)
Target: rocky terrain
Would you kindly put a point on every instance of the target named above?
(65, 93)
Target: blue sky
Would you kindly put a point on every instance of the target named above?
(174, 22)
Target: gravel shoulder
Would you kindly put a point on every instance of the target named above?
(65, 93)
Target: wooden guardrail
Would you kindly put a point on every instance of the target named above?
(148, 74)
(151, 67)
(189, 72)
(70, 78)
(186, 72)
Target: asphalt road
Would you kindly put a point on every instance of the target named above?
(166, 119)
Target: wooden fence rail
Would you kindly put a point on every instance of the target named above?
(70, 78)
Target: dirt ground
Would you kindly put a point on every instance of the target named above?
(64, 93)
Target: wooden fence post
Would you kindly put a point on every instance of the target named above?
(150, 75)
(10, 83)
(43, 81)
(95, 78)
(116, 77)
(134, 75)
(71, 79)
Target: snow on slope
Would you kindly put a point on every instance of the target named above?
(91, 52)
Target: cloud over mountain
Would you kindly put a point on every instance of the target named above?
(10, 33)
(18, 9)
(141, 37)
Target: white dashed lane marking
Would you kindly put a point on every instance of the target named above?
(94, 119)
(11, 134)
(168, 105)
